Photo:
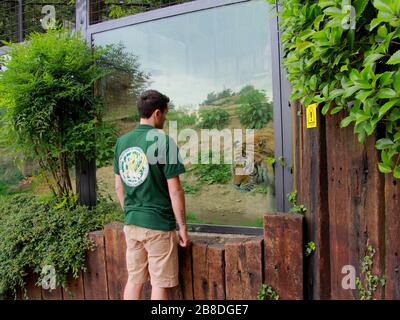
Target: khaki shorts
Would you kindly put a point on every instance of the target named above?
(154, 253)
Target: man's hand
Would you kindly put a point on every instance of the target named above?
(178, 204)
(183, 237)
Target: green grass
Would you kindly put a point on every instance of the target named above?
(190, 189)
(213, 173)
(192, 218)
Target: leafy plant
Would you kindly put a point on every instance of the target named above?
(215, 118)
(189, 189)
(349, 66)
(309, 248)
(49, 110)
(183, 118)
(266, 292)
(369, 282)
(37, 231)
(212, 97)
(212, 173)
(259, 189)
(296, 208)
(256, 110)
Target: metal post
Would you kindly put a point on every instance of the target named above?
(85, 169)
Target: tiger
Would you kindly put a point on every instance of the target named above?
(262, 169)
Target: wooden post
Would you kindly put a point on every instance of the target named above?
(283, 243)
(392, 273)
(74, 289)
(243, 269)
(117, 273)
(356, 204)
(95, 279)
(208, 271)
(311, 179)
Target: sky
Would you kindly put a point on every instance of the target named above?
(191, 55)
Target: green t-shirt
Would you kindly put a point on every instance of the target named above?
(145, 158)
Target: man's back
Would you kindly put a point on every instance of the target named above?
(144, 168)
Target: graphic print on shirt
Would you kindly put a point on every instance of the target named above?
(133, 166)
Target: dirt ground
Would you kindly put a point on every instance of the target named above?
(211, 204)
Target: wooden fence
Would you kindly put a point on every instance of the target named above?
(350, 205)
(213, 267)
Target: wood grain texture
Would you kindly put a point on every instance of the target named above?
(208, 271)
(117, 274)
(243, 269)
(95, 278)
(392, 196)
(283, 245)
(312, 193)
(356, 204)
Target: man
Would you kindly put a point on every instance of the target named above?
(149, 190)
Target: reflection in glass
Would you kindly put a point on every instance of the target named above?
(215, 65)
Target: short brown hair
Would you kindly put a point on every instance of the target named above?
(151, 100)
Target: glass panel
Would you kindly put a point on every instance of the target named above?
(215, 65)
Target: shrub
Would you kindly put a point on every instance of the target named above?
(348, 65)
(49, 110)
(182, 117)
(213, 173)
(36, 232)
(215, 118)
(256, 110)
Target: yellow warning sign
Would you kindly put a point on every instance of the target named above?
(311, 116)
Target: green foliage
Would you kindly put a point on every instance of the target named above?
(309, 248)
(256, 110)
(124, 77)
(266, 292)
(369, 282)
(296, 208)
(36, 232)
(259, 189)
(46, 90)
(192, 218)
(352, 69)
(213, 173)
(190, 189)
(214, 118)
(49, 111)
(212, 97)
(182, 117)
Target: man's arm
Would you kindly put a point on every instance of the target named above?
(177, 196)
(119, 189)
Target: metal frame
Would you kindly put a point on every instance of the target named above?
(281, 88)
(283, 128)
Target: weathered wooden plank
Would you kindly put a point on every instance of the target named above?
(243, 269)
(33, 291)
(208, 271)
(356, 203)
(185, 272)
(313, 194)
(55, 294)
(184, 291)
(392, 196)
(74, 289)
(283, 245)
(95, 278)
(117, 273)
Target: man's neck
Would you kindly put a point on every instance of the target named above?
(149, 122)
